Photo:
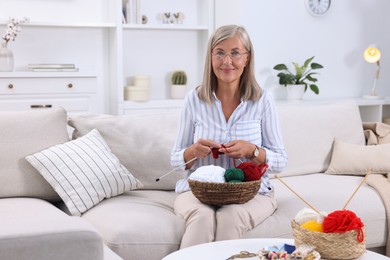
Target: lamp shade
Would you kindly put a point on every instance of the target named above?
(372, 54)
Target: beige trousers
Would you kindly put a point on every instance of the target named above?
(205, 223)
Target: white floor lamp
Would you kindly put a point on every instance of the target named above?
(373, 55)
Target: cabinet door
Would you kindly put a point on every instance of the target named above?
(72, 104)
(75, 94)
(35, 86)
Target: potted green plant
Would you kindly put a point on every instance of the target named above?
(303, 76)
(179, 84)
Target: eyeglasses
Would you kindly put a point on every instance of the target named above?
(234, 55)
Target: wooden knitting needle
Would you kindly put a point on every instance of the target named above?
(307, 203)
(361, 183)
(177, 168)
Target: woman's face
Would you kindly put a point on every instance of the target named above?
(229, 59)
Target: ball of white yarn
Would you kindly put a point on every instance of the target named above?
(321, 217)
(209, 173)
(305, 215)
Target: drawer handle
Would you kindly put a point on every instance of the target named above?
(41, 106)
(70, 85)
(10, 86)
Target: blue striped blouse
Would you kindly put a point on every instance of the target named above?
(252, 121)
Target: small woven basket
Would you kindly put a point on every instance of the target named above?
(224, 193)
(330, 245)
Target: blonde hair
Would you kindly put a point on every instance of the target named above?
(249, 88)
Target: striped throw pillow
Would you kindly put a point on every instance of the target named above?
(83, 172)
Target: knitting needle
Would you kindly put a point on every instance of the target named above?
(361, 183)
(307, 203)
(177, 168)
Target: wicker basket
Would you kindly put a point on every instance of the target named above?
(224, 193)
(330, 245)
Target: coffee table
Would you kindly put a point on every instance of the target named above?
(221, 250)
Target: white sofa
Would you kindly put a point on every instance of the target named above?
(141, 223)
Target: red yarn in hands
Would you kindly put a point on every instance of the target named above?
(252, 171)
(215, 151)
(341, 221)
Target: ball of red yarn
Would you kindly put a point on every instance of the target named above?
(252, 171)
(341, 221)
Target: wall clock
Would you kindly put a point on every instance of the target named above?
(317, 7)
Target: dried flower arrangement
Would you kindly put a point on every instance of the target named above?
(13, 28)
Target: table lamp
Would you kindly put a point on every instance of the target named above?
(372, 55)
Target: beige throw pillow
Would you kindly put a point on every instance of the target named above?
(23, 133)
(143, 143)
(309, 131)
(359, 159)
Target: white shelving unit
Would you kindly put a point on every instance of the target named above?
(156, 49)
(65, 32)
(375, 110)
(91, 34)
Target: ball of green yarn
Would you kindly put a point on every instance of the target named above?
(234, 175)
(234, 181)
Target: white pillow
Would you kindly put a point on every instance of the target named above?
(359, 159)
(83, 172)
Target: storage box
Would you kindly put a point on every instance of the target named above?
(137, 93)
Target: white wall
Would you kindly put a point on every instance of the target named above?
(283, 31)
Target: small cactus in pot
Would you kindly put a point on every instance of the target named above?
(179, 84)
(179, 78)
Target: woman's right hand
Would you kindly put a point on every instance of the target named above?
(200, 149)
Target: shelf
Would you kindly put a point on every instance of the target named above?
(32, 74)
(372, 102)
(359, 101)
(165, 27)
(153, 104)
(65, 25)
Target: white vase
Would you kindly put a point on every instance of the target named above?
(178, 91)
(6, 58)
(295, 92)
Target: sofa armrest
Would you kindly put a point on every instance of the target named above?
(35, 229)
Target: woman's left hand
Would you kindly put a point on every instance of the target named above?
(238, 149)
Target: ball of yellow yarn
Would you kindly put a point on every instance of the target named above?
(313, 226)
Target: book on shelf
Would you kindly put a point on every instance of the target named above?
(55, 69)
(52, 66)
(132, 11)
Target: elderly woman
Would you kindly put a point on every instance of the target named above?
(231, 112)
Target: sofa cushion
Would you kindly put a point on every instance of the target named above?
(143, 143)
(139, 224)
(23, 133)
(359, 159)
(309, 131)
(83, 172)
(34, 229)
